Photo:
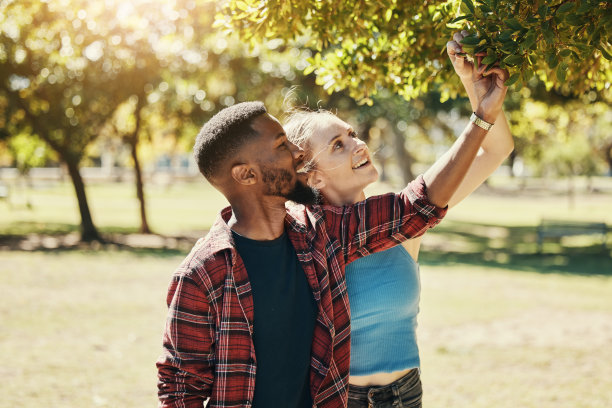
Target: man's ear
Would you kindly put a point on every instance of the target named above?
(244, 174)
(316, 179)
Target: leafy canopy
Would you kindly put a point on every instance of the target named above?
(364, 46)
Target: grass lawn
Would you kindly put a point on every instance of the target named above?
(82, 329)
(501, 326)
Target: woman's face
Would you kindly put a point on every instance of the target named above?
(342, 163)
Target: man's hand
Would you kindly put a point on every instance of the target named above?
(487, 81)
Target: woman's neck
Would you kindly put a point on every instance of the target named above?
(337, 199)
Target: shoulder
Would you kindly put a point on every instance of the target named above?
(206, 265)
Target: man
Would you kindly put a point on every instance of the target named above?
(258, 311)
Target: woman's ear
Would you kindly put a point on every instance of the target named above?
(316, 179)
(244, 174)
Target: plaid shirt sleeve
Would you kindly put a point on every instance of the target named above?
(186, 367)
(383, 221)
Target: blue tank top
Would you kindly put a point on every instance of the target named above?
(384, 291)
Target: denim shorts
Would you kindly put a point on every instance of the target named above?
(405, 392)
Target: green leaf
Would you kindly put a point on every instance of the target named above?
(490, 59)
(242, 5)
(565, 8)
(549, 35)
(561, 73)
(455, 20)
(504, 35)
(309, 69)
(565, 53)
(552, 59)
(470, 40)
(574, 20)
(389, 15)
(605, 53)
(469, 5)
(514, 24)
(485, 9)
(513, 78)
(510, 47)
(529, 41)
(513, 59)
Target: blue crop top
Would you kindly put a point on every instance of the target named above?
(384, 291)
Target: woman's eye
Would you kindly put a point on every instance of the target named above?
(353, 135)
(337, 145)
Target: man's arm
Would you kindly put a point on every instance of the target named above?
(488, 92)
(185, 369)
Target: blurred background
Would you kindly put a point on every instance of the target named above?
(100, 200)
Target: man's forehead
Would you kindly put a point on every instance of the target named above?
(267, 125)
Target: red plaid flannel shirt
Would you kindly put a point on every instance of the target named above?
(207, 343)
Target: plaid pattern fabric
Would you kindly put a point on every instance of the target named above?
(208, 352)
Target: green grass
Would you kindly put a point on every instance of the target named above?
(490, 337)
(83, 329)
(501, 326)
(172, 209)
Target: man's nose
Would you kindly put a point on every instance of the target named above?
(297, 152)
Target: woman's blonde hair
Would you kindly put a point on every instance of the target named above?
(300, 125)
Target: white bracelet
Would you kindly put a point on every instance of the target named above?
(480, 122)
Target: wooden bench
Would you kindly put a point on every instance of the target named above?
(560, 228)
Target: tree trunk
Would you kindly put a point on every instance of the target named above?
(144, 225)
(88, 229)
(404, 160)
(133, 141)
(511, 161)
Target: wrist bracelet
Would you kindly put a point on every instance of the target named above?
(480, 122)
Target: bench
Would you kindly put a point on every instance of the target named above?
(560, 228)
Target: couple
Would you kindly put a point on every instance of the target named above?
(259, 310)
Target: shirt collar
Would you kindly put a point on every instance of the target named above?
(219, 237)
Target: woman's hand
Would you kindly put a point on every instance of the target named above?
(487, 82)
(462, 66)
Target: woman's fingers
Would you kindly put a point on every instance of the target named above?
(453, 47)
(458, 37)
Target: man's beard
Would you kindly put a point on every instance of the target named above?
(277, 182)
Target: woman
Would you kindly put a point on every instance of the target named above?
(384, 288)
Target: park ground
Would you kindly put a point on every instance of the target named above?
(501, 325)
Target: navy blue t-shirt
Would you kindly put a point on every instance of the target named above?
(285, 316)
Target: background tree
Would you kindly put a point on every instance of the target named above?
(48, 91)
(71, 70)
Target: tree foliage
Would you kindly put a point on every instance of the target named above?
(364, 46)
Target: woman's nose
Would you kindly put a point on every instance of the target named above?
(360, 145)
